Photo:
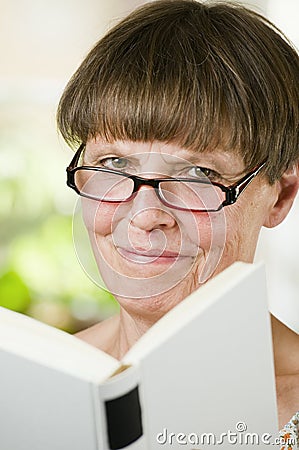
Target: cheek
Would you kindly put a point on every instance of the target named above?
(98, 216)
(207, 230)
(243, 228)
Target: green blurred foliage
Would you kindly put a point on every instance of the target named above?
(14, 293)
(39, 271)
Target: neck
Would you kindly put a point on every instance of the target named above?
(136, 317)
(286, 349)
(129, 329)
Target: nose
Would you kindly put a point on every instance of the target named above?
(148, 213)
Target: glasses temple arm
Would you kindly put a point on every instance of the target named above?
(76, 158)
(235, 190)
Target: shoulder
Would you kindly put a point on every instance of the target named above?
(101, 334)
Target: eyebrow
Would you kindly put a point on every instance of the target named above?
(92, 155)
(221, 167)
(103, 149)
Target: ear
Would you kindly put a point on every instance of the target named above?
(287, 188)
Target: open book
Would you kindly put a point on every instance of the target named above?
(202, 371)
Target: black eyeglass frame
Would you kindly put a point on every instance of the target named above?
(232, 192)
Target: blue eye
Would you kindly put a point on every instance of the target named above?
(115, 163)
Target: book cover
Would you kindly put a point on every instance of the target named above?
(202, 376)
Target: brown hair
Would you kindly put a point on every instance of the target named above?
(201, 75)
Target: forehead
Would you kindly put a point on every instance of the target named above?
(218, 159)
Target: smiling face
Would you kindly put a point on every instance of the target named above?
(147, 251)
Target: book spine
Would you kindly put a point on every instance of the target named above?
(118, 412)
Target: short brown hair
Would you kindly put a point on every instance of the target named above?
(201, 75)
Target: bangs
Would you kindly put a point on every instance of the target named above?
(163, 85)
(185, 74)
(161, 94)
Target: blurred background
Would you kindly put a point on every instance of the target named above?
(42, 42)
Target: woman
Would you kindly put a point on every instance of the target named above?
(200, 103)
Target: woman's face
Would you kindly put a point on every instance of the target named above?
(150, 255)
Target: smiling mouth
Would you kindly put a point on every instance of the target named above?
(150, 256)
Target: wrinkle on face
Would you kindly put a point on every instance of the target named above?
(212, 241)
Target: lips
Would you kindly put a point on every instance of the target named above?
(143, 255)
(150, 256)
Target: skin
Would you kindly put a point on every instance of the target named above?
(234, 236)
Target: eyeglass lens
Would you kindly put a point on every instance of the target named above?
(114, 187)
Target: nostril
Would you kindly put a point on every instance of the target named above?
(152, 218)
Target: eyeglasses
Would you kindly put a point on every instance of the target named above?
(107, 185)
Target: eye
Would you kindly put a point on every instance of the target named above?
(203, 172)
(115, 163)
